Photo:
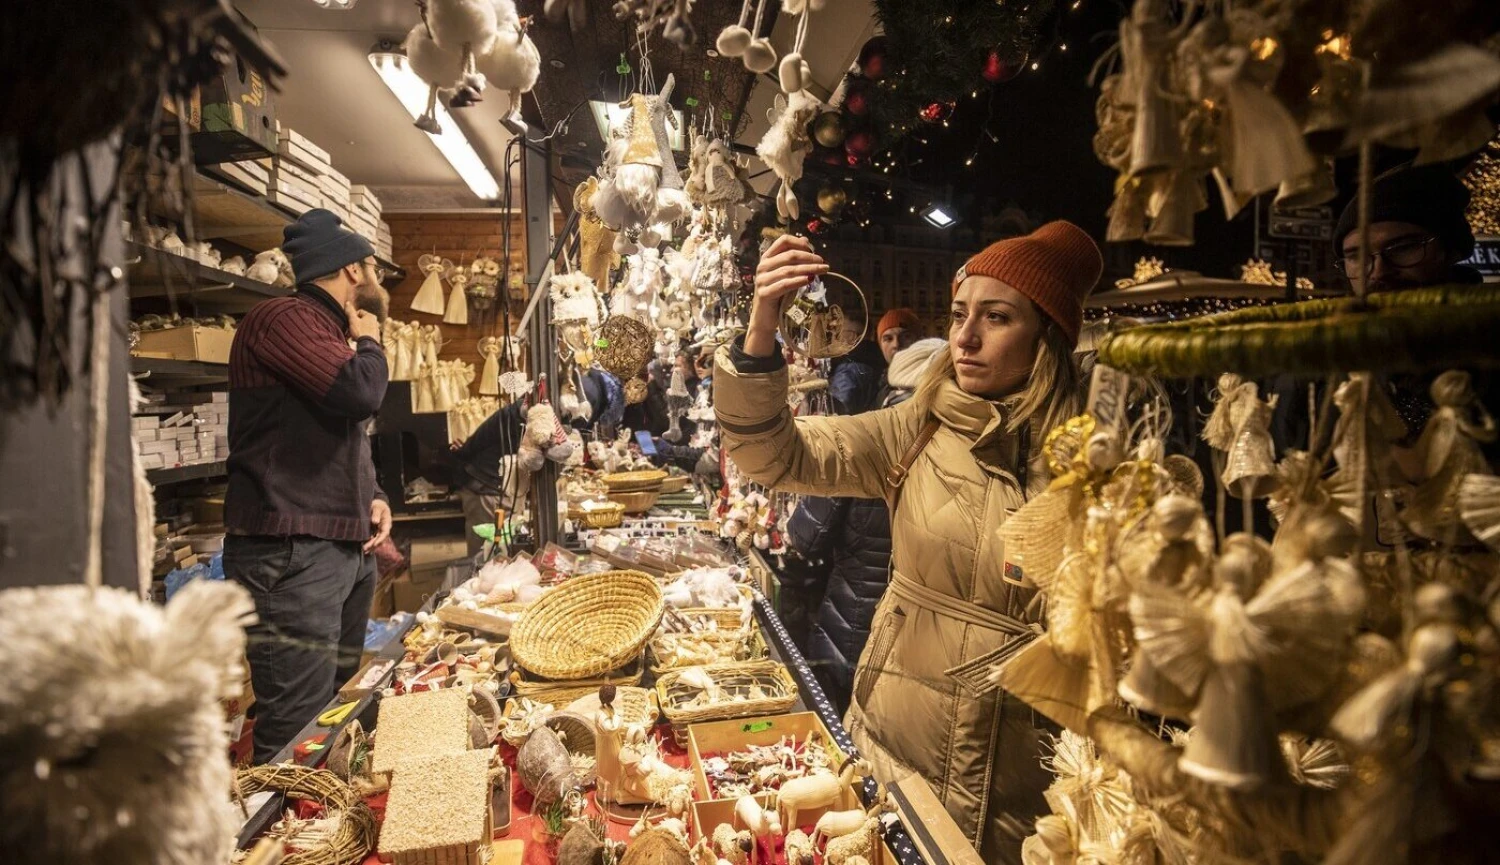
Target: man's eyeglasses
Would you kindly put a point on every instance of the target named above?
(1408, 252)
(380, 272)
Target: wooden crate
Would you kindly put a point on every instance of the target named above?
(207, 344)
(722, 736)
(708, 814)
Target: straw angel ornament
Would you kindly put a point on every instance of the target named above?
(458, 301)
(1246, 651)
(429, 297)
(1450, 454)
(489, 378)
(1240, 427)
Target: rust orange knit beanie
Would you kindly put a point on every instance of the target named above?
(1055, 266)
(903, 318)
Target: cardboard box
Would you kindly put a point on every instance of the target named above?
(294, 138)
(238, 116)
(433, 555)
(207, 344)
(408, 594)
(383, 602)
(717, 737)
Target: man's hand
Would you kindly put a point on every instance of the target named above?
(361, 323)
(380, 518)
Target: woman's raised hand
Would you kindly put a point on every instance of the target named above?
(788, 265)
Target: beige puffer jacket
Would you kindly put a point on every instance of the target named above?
(947, 604)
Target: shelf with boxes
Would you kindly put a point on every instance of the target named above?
(182, 429)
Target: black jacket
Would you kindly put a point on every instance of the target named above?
(856, 378)
(500, 436)
(854, 535)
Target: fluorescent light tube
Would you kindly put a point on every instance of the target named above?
(412, 92)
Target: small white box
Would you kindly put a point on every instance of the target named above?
(221, 396)
(146, 422)
(175, 420)
(146, 435)
(158, 447)
(151, 461)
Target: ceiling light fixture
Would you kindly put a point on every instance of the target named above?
(938, 215)
(339, 5)
(411, 91)
(608, 114)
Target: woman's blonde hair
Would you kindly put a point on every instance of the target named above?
(1053, 391)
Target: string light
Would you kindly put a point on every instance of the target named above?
(1063, 47)
(1035, 66)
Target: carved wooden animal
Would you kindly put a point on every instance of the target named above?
(760, 821)
(818, 790)
(799, 848)
(836, 824)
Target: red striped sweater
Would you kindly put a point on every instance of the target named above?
(299, 397)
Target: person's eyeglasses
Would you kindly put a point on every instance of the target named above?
(1403, 253)
(380, 272)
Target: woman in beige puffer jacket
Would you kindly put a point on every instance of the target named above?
(1007, 378)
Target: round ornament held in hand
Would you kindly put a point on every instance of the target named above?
(828, 129)
(826, 318)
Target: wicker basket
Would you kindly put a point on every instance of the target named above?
(630, 482)
(587, 626)
(636, 502)
(749, 646)
(355, 835)
(608, 517)
(633, 706)
(544, 690)
(675, 484)
(779, 693)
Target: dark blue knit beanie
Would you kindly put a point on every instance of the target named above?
(318, 244)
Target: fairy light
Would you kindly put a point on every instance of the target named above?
(1264, 48)
(1063, 46)
(1035, 66)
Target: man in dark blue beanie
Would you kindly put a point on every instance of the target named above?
(303, 508)
(1418, 231)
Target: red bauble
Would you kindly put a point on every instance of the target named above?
(816, 226)
(834, 157)
(856, 102)
(998, 70)
(860, 143)
(854, 161)
(872, 59)
(937, 112)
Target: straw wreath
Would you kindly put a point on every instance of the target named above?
(355, 835)
(1407, 331)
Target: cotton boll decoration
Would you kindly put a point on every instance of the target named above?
(513, 64)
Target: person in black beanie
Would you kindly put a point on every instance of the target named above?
(1418, 232)
(302, 508)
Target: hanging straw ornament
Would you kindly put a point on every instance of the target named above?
(395, 349)
(1240, 427)
(429, 297)
(1449, 452)
(432, 338)
(1246, 653)
(489, 379)
(1479, 506)
(813, 318)
(1173, 550)
(678, 400)
(1435, 104)
(1367, 427)
(596, 254)
(1146, 40)
(458, 300)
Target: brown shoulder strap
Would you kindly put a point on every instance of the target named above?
(895, 478)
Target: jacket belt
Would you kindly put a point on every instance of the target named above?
(918, 595)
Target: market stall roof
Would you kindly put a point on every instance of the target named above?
(333, 96)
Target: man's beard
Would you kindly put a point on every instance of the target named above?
(373, 299)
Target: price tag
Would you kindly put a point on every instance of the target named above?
(1108, 389)
(757, 727)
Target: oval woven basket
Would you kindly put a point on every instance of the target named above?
(637, 502)
(630, 482)
(600, 517)
(675, 485)
(587, 626)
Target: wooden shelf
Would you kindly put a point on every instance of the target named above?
(157, 273)
(198, 471)
(224, 212)
(180, 371)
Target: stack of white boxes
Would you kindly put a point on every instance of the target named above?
(194, 430)
(364, 218)
(254, 175)
(296, 173)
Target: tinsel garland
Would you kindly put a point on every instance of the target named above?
(1408, 331)
(936, 50)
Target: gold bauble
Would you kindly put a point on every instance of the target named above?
(831, 199)
(828, 129)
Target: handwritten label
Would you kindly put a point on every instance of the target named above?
(756, 727)
(1108, 390)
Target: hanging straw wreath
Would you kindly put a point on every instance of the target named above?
(1406, 331)
(625, 345)
(350, 842)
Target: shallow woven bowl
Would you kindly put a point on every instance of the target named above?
(599, 518)
(675, 485)
(636, 502)
(630, 482)
(587, 626)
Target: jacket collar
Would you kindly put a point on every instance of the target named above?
(318, 297)
(979, 420)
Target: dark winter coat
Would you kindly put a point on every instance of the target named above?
(854, 536)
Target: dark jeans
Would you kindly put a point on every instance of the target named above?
(313, 600)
